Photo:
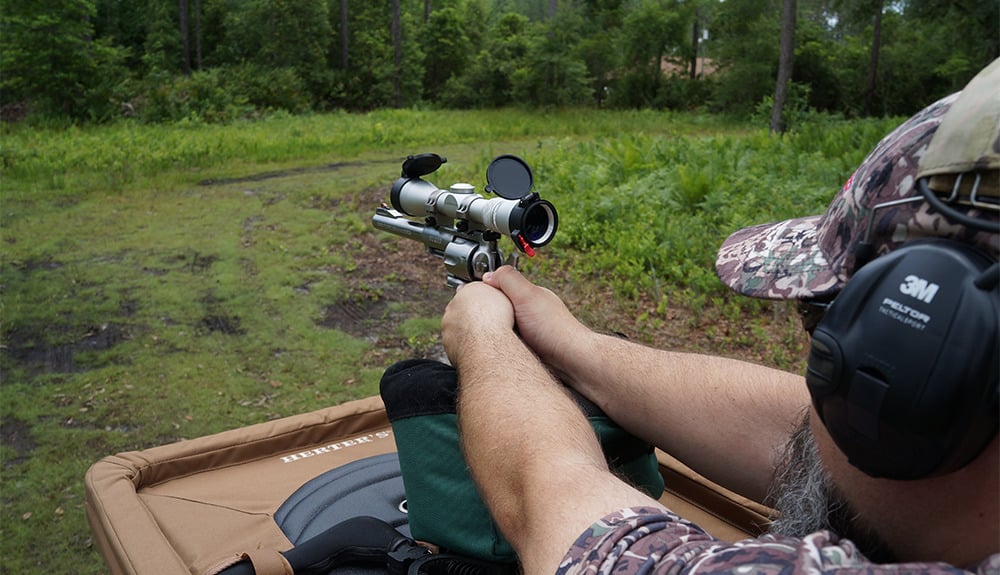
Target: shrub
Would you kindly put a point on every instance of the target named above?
(682, 93)
(200, 96)
(650, 212)
(221, 94)
(267, 89)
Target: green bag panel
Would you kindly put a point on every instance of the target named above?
(442, 502)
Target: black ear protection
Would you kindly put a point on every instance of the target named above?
(904, 368)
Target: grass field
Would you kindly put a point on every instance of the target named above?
(167, 282)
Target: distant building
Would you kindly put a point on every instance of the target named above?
(677, 67)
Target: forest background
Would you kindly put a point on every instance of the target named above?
(219, 60)
(186, 191)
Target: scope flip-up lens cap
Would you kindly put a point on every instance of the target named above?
(509, 177)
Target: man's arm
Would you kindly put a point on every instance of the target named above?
(725, 418)
(532, 453)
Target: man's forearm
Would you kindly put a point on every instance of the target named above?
(533, 454)
(513, 417)
(727, 419)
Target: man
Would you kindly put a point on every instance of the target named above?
(542, 474)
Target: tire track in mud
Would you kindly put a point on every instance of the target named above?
(291, 172)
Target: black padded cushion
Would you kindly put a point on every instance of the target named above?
(372, 486)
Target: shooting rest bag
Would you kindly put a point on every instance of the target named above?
(444, 505)
(197, 506)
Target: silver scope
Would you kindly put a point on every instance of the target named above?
(462, 226)
(531, 223)
(529, 220)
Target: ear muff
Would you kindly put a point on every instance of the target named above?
(903, 369)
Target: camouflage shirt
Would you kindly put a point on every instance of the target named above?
(649, 541)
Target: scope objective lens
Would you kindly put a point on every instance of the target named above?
(538, 223)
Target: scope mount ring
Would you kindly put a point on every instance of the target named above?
(430, 206)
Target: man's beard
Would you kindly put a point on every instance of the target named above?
(806, 501)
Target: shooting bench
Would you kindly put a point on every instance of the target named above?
(198, 505)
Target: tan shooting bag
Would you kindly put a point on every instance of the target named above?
(201, 505)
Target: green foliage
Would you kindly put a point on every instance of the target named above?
(682, 93)
(648, 31)
(368, 83)
(797, 109)
(552, 74)
(820, 81)
(48, 59)
(650, 211)
(267, 88)
(525, 64)
(277, 37)
(447, 48)
(200, 97)
(746, 44)
(162, 46)
(489, 79)
(99, 60)
(298, 33)
(221, 94)
(603, 21)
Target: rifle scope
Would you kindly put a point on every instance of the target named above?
(519, 213)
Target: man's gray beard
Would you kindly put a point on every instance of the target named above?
(806, 501)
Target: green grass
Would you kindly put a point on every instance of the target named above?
(167, 282)
(129, 155)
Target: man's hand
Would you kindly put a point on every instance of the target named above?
(543, 321)
(475, 317)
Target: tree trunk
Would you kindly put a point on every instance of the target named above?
(185, 40)
(427, 11)
(785, 61)
(344, 61)
(657, 76)
(197, 34)
(553, 8)
(695, 38)
(873, 60)
(397, 43)
(272, 33)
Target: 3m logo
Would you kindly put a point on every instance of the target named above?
(919, 288)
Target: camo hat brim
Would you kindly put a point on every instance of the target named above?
(813, 257)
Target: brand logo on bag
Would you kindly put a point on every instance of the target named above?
(371, 437)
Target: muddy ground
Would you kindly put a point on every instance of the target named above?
(393, 280)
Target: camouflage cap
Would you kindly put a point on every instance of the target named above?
(967, 143)
(814, 256)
